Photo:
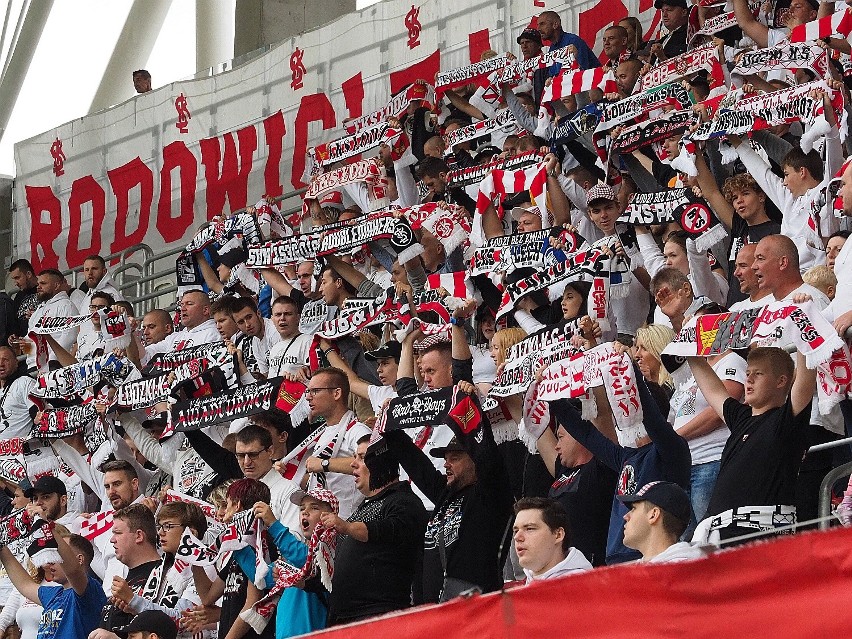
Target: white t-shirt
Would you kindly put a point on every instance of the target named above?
(341, 484)
(746, 304)
(378, 395)
(688, 401)
(15, 420)
(288, 355)
(261, 346)
(204, 333)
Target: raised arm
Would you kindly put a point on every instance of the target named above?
(804, 384)
(711, 192)
(711, 386)
(277, 281)
(77, 574)
(19, 577)
(752, 28)
(356, 384)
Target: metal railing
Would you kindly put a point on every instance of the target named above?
(150, 284)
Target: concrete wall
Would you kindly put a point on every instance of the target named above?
(262, 22)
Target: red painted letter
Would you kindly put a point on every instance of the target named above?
(123, 179)
(83, 190)
(233, 181)
(176, 155)
(313, 108)
(41, 200)
(274, 131)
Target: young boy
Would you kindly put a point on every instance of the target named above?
(301, 610)
(761, 459)
(72, 609)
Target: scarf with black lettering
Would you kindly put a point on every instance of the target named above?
(290, 250)
(784, 55)
(216, 353)
(716, 25)
(475, 174)
(43, 549)
(704, 58)
(370, 172)
(63, 422)
(382, 225)
(635, 106)
(48, 325)
(645, 133)
(779, 323)
(12, 470)
(396, 107)
(761, 112)
(218, 232)
(501, 183)
(504, 120)
(524, 359)
(525, 250)
(581, 266)
(476, 73)
(411, 411)
(82, 375)
(320, 560)
(240, 402)
(676, 205)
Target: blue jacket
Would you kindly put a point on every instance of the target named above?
(586, 58)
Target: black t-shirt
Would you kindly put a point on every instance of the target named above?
(761, 458)
(113, 617)
(26, 301)
(741, 234)
(675, 43)
(234, 598)
(586, 493)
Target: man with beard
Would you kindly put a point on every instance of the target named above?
(26, 299)
(96, 280)
(54, 303)
(50, 500)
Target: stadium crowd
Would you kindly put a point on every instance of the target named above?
(578, 311)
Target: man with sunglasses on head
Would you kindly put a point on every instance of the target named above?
(328, 398)
(254, 454)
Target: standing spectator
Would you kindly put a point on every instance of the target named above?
(381, 541)
(261, 331)
(584, 486)
(134, 538)
(72, 609)
(761, 459)
(254, 454)
(550, 28)
(328, 396)
(26, 299)
(290, 353)
(96, 279)
(141, 81)
(50, 500)
(15, 417)
(54, 303)
(658, 516)
(157, 325)
(615, 46)
(674, 14)
(198, 327)
(542, 536)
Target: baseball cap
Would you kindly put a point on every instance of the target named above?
(453, 445)
(154, 621)
(388, 349)
(46, 485)
(529, 34)
(320, 494)
(672, 3)
(600, 191)
(334, 199)
(665, 494)
(518, 211)
(430, 340)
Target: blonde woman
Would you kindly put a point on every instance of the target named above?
(650, 342)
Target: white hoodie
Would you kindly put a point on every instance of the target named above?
(681, 551)
(575, 561)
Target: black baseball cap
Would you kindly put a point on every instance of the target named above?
(672, 3)
(665, 494)
(453, 445)
(46, 485)
(388, 349)
(529, 34)
(154, 621)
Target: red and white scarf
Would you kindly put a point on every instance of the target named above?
(396, 107)
(839, 22)
(701, 59)
(571, 82)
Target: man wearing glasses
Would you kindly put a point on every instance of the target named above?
(328, 398)
(254, 454)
